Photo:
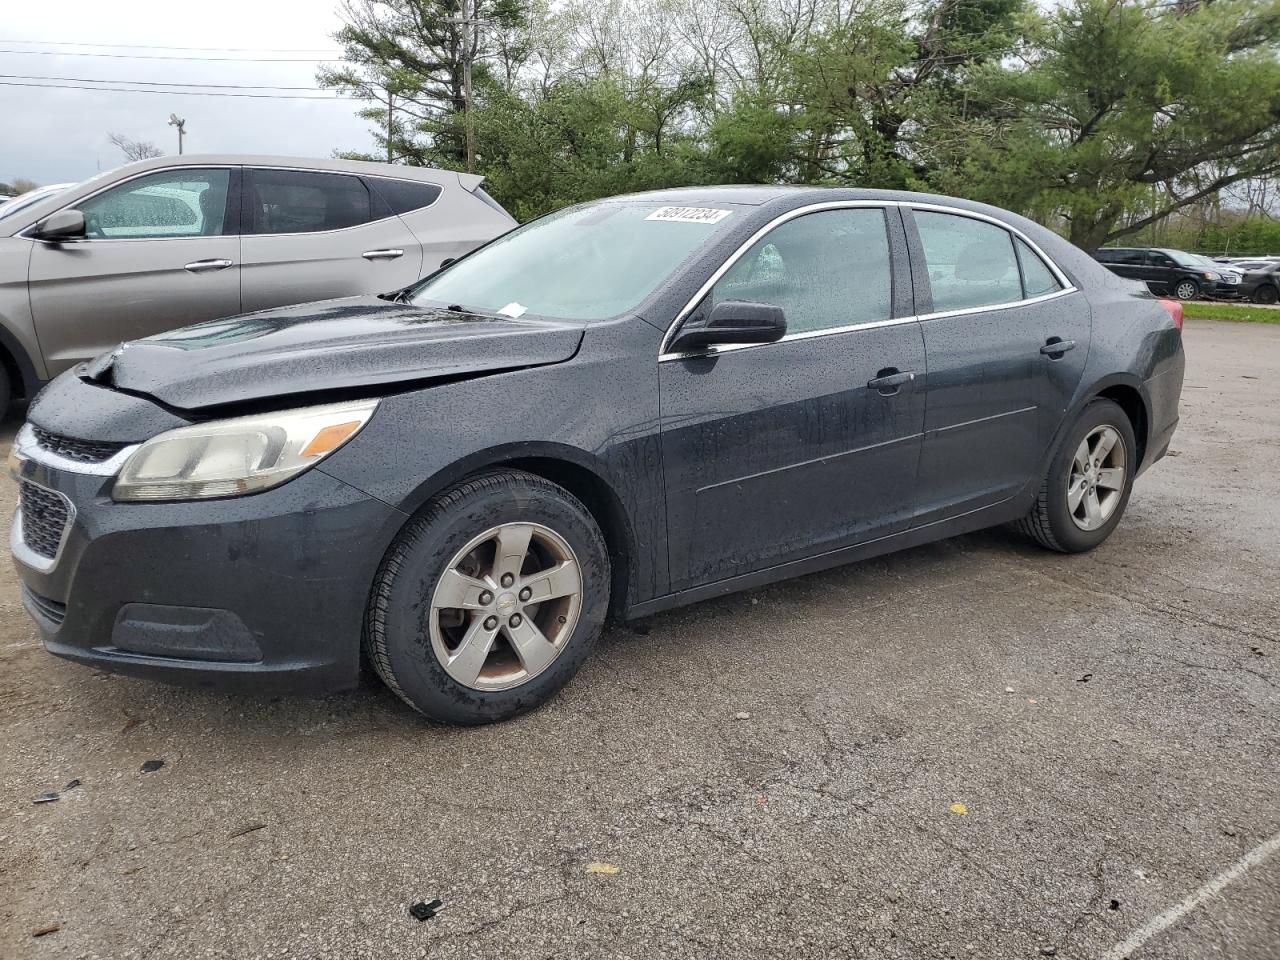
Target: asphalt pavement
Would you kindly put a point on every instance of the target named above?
(970, 749)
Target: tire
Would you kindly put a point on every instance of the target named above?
(1266, 294)
(6, 391)
(1186, 290)
(433, 655)
(1053, 521)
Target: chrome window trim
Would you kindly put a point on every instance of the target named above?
(27, 447)
(18, 545)
(25, 231)
(665, 355)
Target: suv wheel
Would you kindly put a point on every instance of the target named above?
(1266, 294)
(1084, 494)
(1186, 290)
(490, 600)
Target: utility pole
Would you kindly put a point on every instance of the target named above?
(391, 97)
(181, 124)
(468, 53)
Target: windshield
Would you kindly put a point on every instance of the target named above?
(30, 197)
(584, 263)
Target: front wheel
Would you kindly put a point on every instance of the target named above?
(1186, 290)
(1084, 494)
(490, 600)
(1266, 294)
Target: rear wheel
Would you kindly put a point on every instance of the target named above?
(1186, 290)
(1266, 294)
(1084, 494)
(490, 600)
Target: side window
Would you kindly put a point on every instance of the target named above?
(1037, 279)
(1134, 258)
(826, 269)
(291, 201)
(400, 196)
(971, 263)
(172, 203)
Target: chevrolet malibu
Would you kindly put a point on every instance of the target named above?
(619, 408)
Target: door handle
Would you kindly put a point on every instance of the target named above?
(206, 266)
(890, 380)
(382, 254)
(1055, 348)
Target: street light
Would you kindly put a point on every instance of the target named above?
(181, 124)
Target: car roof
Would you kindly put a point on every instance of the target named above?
(468, 181)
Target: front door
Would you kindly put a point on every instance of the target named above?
(161, 251)
(1006, 345)
(781, 451)
(315, 236)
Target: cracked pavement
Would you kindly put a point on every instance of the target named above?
(820, 826)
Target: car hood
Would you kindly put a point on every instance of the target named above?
(334, 345)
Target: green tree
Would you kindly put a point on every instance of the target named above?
(1110, 99)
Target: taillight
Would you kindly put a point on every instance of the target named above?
(1175, 311)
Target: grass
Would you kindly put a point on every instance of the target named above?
(1200, 310)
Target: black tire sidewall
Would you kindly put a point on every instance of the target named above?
(1266, 294)
(1098, 413)
(432, 543)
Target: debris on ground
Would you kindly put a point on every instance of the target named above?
(1008, 689)
(609, 869)
(1048, 951)
(742, 715)
(1086, 678)
(49, 797)
(72, 785)
(47, 929)
(425, 911)
(249, 827)
(1114, 905)
(959, 809)
(151, 766)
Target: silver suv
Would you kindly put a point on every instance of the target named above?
(172, 241)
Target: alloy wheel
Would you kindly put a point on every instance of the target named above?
(506, 606)
(1097, 479)
(1186, 290)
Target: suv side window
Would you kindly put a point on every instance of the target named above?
(826, 269)
(1157, 259)
(170, 203)
(971, 262)
(294, 201)
(400, 196)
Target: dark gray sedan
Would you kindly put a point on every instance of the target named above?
(622, 407)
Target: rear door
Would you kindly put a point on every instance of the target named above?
(1006, 341)
(161, 251)
(785, 450)
(313, 236)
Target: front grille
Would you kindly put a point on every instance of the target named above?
(51, 610)
(82, 451)
(44, 518)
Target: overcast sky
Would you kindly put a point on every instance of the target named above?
(55, 135)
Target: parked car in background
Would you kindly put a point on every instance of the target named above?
(167, 242)
(1166, 272)
(623, 407)
(1260, 281)
(23, 200)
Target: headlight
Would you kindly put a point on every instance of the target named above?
(1210, 276)
(227, 458)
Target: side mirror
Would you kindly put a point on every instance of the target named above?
(63, 225)
(733, 322)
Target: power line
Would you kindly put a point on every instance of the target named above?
(179, 93)
(143, 46)
(156, 83)
(146, 56)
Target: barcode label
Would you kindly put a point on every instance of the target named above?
(689, 214)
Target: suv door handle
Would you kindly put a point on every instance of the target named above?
(1055, 348)
(890, 380)
(206, 266)
(382, 254)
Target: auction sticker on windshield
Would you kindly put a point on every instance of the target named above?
(689, 214)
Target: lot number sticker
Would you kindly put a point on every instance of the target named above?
(689, 214)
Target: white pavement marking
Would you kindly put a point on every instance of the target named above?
(1164, 921)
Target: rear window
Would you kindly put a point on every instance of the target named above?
(294, 201)
(400, 196)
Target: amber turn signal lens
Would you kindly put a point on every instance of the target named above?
(330, 438)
